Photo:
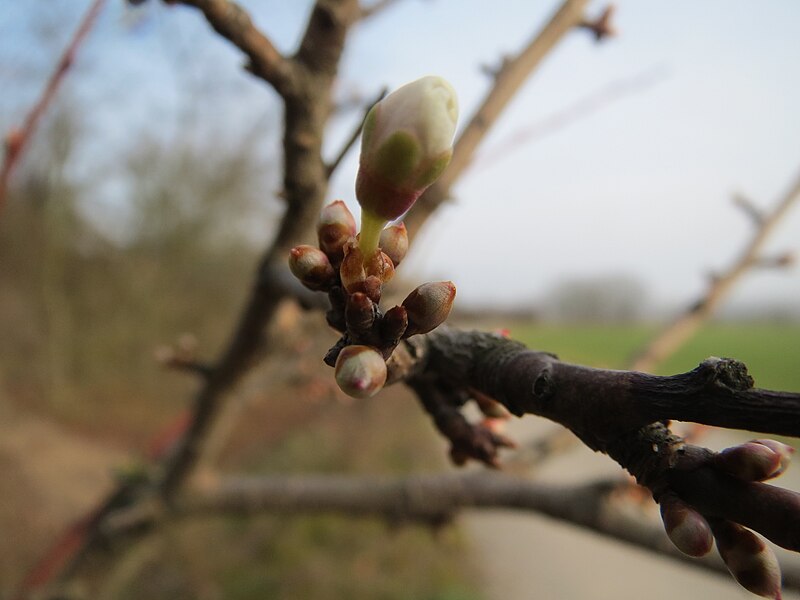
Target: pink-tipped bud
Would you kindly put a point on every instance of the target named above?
(359, 313)
(394, 242)
(751, 562)
(360, 371)
(311, 267)
(785, 452)
(336, 225)
(750, 462)
(686, 527)
(428, 306)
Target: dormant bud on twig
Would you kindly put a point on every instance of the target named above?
(406, 143)
(360, 371)
(785, 451)
(752, 461)
(686, 527)
(427, 306)
(394, 242)
(336, 225)
(311, 266)
(751, 562)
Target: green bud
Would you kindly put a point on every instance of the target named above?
(360, 371)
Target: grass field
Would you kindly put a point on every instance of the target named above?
(771, 351)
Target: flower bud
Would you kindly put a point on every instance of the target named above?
(359, 314)
(751, 562)
(393, 325)
(373, 288)
(785, 452)
(750, 462)
(311, 267)
(428, 306)
(352, 270)
(686, 527)
(394, 242)
(360, 371)
(406, 143)
(335, 226)
(385, 271)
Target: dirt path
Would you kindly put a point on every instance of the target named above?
(48, 478)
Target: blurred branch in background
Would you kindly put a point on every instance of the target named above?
(720, 285)
(596, 101)
(506, 82)
(18, 138)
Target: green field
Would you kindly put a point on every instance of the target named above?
(771, 351)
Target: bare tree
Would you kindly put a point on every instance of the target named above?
(704, 495)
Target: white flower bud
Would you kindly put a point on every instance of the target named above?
(407, 142)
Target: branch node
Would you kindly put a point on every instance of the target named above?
(601, 26)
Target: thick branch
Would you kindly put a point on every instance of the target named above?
(600, 405)
(508, 80)
(234, 24)
(305, 185)
(438, 498)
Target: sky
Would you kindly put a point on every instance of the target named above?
(701, 102)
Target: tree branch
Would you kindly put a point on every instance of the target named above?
(350, 142)
(233, 23)
(438, 498)
(685, 325)
(305, 185)
(17, 139)
(622, 414)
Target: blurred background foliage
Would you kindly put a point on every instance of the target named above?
(86, 297)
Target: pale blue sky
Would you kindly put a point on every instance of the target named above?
(640, 187)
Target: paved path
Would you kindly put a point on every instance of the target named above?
(524, 556)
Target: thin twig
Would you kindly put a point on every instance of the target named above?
(19, 138)
(334, 164)
(508, 80)
(375, 8)
(685, 325)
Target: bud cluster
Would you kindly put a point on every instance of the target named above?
(751, 562)
(406, 144)
(354, 283)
